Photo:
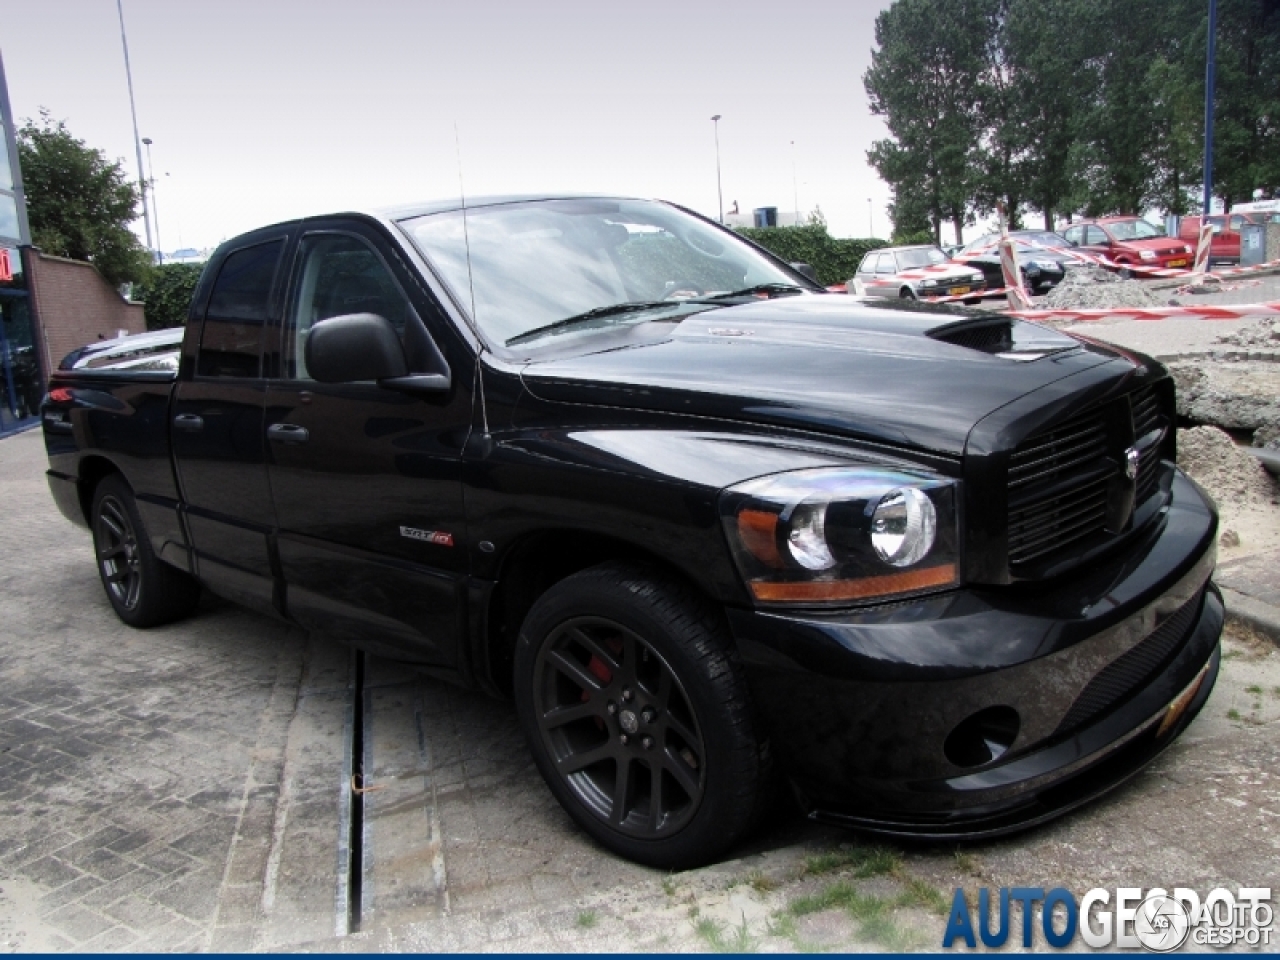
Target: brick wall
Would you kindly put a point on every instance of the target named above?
(75, 306)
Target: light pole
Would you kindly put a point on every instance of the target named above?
(1209, 71)
(719, 191)
(146, 214)
(795, 183)
(871, 230)
(155, 207)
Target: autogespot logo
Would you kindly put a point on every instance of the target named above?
(1155, 919)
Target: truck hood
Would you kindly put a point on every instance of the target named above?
(890, 374)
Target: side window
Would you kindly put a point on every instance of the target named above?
(886, 264)
(1093, 236)
(1074, 235)
(338, 274)
(868, 264)
(239, 305)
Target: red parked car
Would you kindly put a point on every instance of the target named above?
(1129, 240)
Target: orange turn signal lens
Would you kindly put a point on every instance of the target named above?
(759, 532)
(862, 589)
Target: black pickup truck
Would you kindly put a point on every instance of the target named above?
(711, 527)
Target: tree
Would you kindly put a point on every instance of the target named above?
(167, 294)
(78, 203)
(1246, 141)
(923, 80)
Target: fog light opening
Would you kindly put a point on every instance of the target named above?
(983, 737)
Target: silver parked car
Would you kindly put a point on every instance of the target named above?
(914, 273)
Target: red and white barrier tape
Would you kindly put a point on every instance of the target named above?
(1098, 261)
(1233, 312)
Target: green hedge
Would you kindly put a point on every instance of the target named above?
(835, 260)
(167, 295)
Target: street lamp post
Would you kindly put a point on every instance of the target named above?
(795, 183)
(871, 230)
(719, 191)
(146, 213)
(1209, 72)
(155, 207)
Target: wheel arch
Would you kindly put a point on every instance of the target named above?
(93, 470)
(533, 565)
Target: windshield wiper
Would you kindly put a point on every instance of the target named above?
(758, 288)
(615, 309)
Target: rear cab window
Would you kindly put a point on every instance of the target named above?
(231, 342)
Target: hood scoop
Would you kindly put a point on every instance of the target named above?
(1002, 337)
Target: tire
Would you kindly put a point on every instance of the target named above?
(906, 293)
(143, 591)
(621, 671)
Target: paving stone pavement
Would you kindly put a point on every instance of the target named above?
(189, 788)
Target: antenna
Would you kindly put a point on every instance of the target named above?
(471, 283)
(466, 235)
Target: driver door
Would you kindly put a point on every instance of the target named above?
(366, 480)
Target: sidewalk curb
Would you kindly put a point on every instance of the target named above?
(1261, 616)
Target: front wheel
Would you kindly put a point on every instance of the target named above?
(143, 591)
(638, 715)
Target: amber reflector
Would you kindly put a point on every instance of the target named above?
(815, 590)
(759, 532)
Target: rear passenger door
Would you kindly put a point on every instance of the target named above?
(216, 425)
(366, 479)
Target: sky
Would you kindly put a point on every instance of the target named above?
(263, 110)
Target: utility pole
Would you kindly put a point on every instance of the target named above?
(137, 143)
(155, 206)
(1209, 70)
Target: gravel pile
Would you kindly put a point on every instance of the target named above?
(1258, 333)
(1229, 474)
(1090, 287)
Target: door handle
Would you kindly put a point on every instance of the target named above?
(287, 433)
(188, 422)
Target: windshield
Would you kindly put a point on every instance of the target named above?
(920, 257)
(1048, 240)
(538, 262)
(1134, 230)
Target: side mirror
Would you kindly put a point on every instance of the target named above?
(805, 270)
(358, 346)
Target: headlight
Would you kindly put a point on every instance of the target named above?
(1186, 248)
(842, 535)
(927, 283)
(975, 278)
(1147, 254)
(1047, 264)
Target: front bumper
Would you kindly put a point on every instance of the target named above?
(867, 710)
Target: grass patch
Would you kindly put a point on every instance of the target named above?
(669, 885)
(1233, 714)
(874, 915)
(587, 919)
(1275, 692)
(967, 863)
(920, 893)
(726, 937)
(760, 882)
(861, 861)
(1254, 689)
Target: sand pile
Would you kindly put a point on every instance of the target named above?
(1260, 333)
(1232, 477)
(1090, 287)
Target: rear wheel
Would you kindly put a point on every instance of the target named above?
(143, 591)
(638, 716)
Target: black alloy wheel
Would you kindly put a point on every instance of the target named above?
(617, 723)
(116, 543)
(637, 712)
(143, 591)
